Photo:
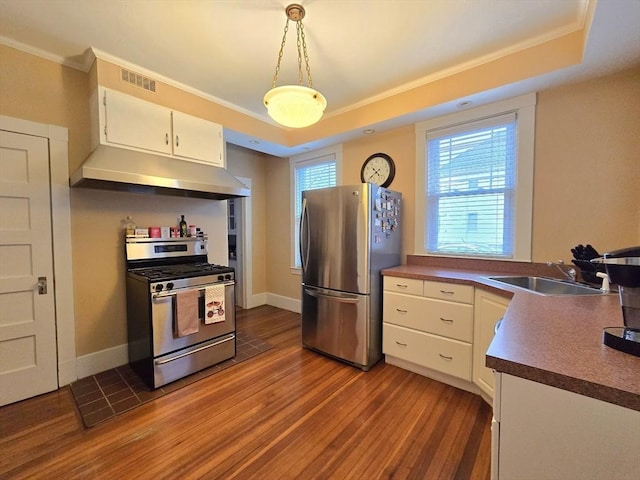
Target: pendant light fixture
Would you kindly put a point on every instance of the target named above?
(295, 106)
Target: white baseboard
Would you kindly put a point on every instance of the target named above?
(287, 303)
(67, 372)
(256, 300)
(102, 360)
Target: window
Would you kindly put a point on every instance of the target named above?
(475, 178)
(309, 172)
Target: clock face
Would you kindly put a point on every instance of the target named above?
(379, 169)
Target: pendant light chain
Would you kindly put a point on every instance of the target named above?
(284, 39)
(306, 56)
(302, 52)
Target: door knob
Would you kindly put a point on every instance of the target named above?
(42, 285)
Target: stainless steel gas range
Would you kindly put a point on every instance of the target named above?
(180, 308)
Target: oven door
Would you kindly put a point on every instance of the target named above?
(165, 338)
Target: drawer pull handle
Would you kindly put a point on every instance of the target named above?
(399, 310)
(445, 357)
(447, 292)
(401, 344)
(446, 320)
(400, 285)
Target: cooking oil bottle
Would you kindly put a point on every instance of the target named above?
(183, 228)
(129, 226)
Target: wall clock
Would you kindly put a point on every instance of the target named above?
(379, 169)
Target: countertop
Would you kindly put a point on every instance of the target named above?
(556, 341)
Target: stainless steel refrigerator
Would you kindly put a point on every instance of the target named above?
(348, 234)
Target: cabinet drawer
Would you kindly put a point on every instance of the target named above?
(445, 355)
(403, 285)
(449, 319)
(448, 291)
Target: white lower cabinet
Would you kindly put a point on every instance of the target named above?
(429, 324)
(543, 432)
(488, 310)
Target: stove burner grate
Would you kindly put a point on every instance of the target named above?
(187, 270)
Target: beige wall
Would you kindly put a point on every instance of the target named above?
(98, 254)
(586, 180)
(35, 89)
(280, 280)
(587, 166)
(400, 145)
(249, 164)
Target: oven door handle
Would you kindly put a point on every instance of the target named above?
(191, 352)
(173, 293)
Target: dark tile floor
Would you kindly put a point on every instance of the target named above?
(107, 394)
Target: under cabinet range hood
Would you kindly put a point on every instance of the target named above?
(112, 168)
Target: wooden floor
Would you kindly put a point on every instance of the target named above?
(286, 414)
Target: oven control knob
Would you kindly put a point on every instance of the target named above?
(159, 287)
(220, 278)
(227, 277)
(169, 285)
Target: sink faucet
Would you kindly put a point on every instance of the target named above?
(570, 273)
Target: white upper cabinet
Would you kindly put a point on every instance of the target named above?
(128, 122)
(196, 138)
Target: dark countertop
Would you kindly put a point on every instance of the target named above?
(556, 341)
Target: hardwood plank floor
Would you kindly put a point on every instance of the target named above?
(287, 414)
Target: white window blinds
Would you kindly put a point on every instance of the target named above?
(471, 181)
(311, 175)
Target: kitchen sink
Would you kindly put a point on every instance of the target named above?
(548, 286)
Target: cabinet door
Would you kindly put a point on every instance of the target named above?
(197, 139)
(134, 123)
(489, 308)
(552, 434)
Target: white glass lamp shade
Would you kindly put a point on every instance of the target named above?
(295, 106)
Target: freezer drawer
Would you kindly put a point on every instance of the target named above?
(340, 325)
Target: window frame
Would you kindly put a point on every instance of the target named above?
(324, 155)
(524, 107)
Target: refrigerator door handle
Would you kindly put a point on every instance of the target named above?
(304, 235)
(335, 297)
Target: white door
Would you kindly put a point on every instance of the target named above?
(28, 357)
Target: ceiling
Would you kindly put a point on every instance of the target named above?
(360, 52)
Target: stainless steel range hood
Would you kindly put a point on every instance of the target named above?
(112, 168)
